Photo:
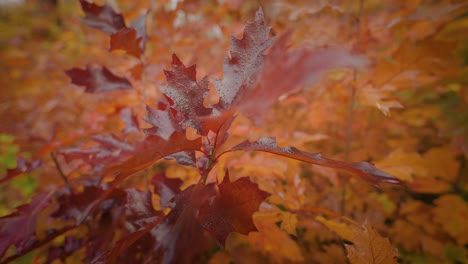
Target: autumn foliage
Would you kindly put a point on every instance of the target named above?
(319, 132)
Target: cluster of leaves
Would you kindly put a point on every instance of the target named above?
(199, 129)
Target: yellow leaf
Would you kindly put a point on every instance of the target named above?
(372, 96)
(429, 185)
(452, 213)
(343, 230)
(266, 240)
(440, 162)
(370, 248)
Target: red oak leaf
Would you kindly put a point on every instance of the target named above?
(232, 208)
(97, 79)
(181, 231)
(130, 120)
(139, 24)
(253, 82)
(126, 39)
(102, 17)
(19, 228)
(286, 71)
(152, 149)
(166, 188)
(141, 218)
(70, 245)
(111, 149)
(245, 61)
(79, 205)
(163, 121)
(364, 170)
(186, 93)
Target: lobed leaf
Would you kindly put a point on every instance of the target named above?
(186, 93)
(369, 247)
(141, 218)
(126, 39)
(286, 71)
(364, 170)
(245, 61)
(139, 24)
(19, 228)
(97, 79)
(152, 149)
(102, 17)
(79, 205)
(163, 120)
(167, 189)
(130, 120)
(232, 208)
(69, 246)
(181, 231)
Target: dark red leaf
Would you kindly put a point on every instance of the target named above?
(78, 205)
(141, 218)
(186, 158)
(19, 228)
(232, 208)
(245, 61)
(129, 248)
(163, 121)
(286, 71)
(139, 207)
(180, 238)
(110, 150)
(152, 149)
(253, 82)
(364, 170)
(166, 188)
(186, 93)
(97, 79)
(51, 234)
(130, 120)
(102, 17)
(139, 24)
(126, 39)
(219, 125)
(70, 245)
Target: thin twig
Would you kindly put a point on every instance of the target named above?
(352, 98)
(59, 168)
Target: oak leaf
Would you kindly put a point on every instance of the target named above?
(364, 170)
(19, 228)
(369, 247)
(245, 61)
(97, 79)
(187, 95)
(126, 39)
(231, 210)
(102, 17)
